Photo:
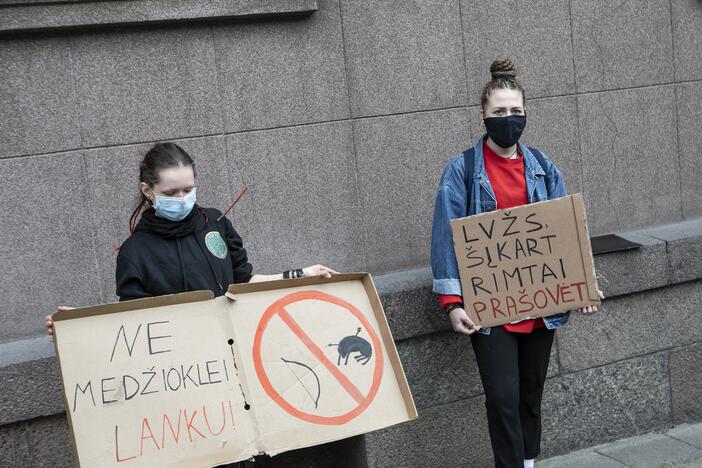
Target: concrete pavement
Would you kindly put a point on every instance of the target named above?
(680, 446)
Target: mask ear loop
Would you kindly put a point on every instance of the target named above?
(151, 202)
(481, 126)
(481, 129)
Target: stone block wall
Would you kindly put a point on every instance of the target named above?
(340, 115)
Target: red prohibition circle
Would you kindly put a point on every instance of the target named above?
(277, 308)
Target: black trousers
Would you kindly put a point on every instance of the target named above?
(513, 369)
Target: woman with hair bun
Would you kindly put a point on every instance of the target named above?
(512, 359)
(177, 245)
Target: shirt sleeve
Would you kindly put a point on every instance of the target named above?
(242, 268)
(451, 203)
(446, 299)
(129, 280)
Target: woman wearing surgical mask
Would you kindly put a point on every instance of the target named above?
(499, 172)
(177, 245)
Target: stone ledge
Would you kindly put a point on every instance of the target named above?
(630, 271)
(684, 246)
(31, 17)
(30, 389)
(410, 306)
(25, 350)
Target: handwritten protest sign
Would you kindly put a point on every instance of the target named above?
(525, 262)
(192, 380)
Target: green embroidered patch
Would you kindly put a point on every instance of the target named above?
(215, 244)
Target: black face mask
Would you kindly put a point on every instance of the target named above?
(505, 131)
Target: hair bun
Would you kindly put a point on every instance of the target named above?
(503, 68)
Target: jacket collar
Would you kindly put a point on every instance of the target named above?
(531, 165)
(532, 169)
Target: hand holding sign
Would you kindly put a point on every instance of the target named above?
(461, 323)
(319, 270)
(49, 322)
(589, 310)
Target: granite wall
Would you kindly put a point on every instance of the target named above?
(340, 115)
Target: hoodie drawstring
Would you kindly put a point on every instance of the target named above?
(180, 260)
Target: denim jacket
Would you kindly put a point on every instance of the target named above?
(454, 201)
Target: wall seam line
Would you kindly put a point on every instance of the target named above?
(670, 385)
(630, 358)
(463, 51)
(675, 110)
(332, 121)
(354, 149)
(102, 293)
(577, 104)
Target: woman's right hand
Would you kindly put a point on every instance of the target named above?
(461, 323)
(49, 323)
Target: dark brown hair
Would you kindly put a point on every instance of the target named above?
(504, 76)
(160, 156)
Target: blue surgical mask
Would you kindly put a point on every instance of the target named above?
(175, 208)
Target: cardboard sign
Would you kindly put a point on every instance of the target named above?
(194, 381)
(525, 262)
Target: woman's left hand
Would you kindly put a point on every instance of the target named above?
(592, 309)
(319, 270)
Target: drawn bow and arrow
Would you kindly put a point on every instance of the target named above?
(319, 388)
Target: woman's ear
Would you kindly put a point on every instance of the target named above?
(146, 190)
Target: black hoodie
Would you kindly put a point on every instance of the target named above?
(166, 257)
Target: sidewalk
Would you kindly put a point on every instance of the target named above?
(680, 446)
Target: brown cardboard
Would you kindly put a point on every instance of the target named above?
(222, 412)
(525, 262)
(136, 304)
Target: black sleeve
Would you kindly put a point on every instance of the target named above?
(129, 280)
(243, 270)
